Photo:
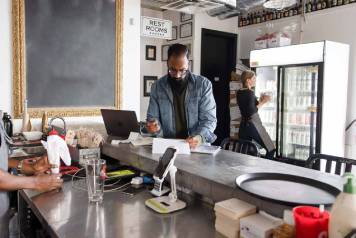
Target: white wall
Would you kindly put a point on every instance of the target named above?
(5, 56)
(131, 56)
(336, 24)
(148, 67)
(203, 20)
(131, 65)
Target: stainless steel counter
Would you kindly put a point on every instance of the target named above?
(67, 213)
(214, 176)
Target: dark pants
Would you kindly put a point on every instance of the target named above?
(249, 132)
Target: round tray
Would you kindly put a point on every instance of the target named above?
(287, 189)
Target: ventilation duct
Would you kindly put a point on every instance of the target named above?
(192, 6)
(279, 4)
(222, 9)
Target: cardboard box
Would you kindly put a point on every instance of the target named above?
(79, 155)
(278, 39)
(258, 226)
(228, 214)
(261, 44)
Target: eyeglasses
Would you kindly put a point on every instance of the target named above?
(176, 72)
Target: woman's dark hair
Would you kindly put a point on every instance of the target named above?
(178, 50)
(247, 74)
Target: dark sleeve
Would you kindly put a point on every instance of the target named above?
(251, 102)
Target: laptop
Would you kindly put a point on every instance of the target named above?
(120, 122)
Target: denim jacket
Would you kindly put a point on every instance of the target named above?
(200, 107)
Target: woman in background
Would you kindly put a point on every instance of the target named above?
(251, 127)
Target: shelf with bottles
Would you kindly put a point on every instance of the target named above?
(297, 137)
(268, 107)
(300, 153)
(298, 145)
(261, 16)
(299, 93)
(298, 126)
(298, 118)
(268, 116)
(300, 103)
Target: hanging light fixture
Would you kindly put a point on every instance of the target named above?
(279, 4)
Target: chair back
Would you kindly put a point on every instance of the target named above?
(330, 164)
(240, 146)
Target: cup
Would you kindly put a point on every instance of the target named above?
(95, 178)
(310, 222)
(146, 127)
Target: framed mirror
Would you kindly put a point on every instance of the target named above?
(67, 56)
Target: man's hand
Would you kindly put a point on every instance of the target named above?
(153, 126)
(47, 182)
(194, 141)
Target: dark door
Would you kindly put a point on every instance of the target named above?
(218, 59)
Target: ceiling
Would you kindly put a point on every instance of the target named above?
(215, 8)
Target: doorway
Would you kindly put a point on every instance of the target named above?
(218, 60)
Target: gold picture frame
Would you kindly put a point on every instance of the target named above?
(19, 73)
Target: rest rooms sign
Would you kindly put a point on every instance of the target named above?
(157, 28)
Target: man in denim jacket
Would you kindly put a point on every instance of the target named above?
(182, 102)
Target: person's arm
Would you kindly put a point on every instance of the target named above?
(263, 100)
(153, 110)
(41, 165)
(207, 115)
(42, 182)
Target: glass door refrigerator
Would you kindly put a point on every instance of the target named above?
(308, 88)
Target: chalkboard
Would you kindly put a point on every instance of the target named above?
(70, 53)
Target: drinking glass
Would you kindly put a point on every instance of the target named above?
(95, 177)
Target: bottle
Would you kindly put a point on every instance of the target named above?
(286, 14)
(343, 212)
(240, 21)
(44, 122)
(7, 124)
(258, 18)
(26, 122)
(263, 16)
(274, 15)
(300, 8)
(309, 6)
(313, 5)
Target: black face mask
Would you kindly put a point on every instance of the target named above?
(179, 84)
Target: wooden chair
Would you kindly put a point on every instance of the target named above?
(342, 165)
(240, 146)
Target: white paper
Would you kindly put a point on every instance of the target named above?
(234, 113)
(133, 136)
(160, 145)
(207, 149)
(142, 141)
(235, 85)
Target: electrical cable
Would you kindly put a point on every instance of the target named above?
(349, 126)
(118, 189)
